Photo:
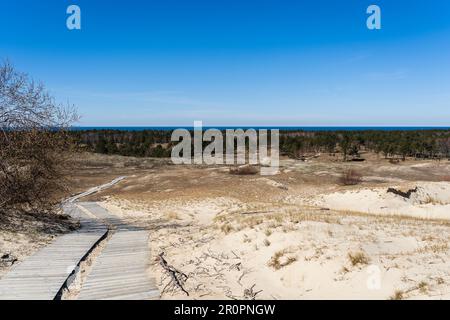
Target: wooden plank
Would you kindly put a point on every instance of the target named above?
(41, 276)
(105, 216)
(98, 211)
(94, 190)
(120, 272)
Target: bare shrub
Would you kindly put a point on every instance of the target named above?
(33, 143)
(394, 161)
(244, 170)
(350, 178)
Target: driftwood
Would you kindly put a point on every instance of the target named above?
(244, 273)
(256, 212)
(249, 294)
(236, 266)
(7, 260)
(177, 277)
(400, 193)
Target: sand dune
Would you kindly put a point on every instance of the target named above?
(430, 201)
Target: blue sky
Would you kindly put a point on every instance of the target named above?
(236, 62)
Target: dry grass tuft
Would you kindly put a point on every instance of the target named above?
(398, 295)
(172, 215)
(423, 287)
(226, 228)
(431, 200)
(358, 258)
(435, 248)
(280, 260)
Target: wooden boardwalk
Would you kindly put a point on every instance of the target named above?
(121, 270)
(103, 215)
(41, 276)
(95, 190)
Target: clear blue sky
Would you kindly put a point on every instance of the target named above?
(236, 62)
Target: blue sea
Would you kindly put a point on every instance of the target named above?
(281, 128)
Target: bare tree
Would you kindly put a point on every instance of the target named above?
(33, 143)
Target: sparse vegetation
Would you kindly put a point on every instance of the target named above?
(287, 220)
(423, 287)
(226, 228)
(435, 248)
(280, 260)
(244, 170)
(432, 200)
(394, 161)
(398, 295)
(358, 258)
(172, 215)
(350, 178)
(344, 270)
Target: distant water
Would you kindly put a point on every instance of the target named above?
(269, 128)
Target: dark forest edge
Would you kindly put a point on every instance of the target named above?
(392, 144)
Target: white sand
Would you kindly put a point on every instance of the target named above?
(431, 201)
(225, 251)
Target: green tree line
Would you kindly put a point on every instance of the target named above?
(419, 144)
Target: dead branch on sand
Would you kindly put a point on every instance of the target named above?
(249, 294)
(178, 278)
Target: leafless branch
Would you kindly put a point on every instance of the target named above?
(33, 142)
